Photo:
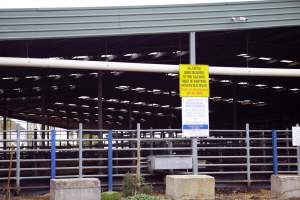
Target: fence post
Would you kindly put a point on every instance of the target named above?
(138, 153)
(170, 143)
(195, 155)
(287, 149)
(298, 160)
(53, 154)
(110, 161)
(275, 153)
(80, 150)
(298, 157)
(18, 164)
(248, 152)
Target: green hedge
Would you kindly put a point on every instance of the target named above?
(111, 196)
(142, 197)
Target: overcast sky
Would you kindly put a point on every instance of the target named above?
(97, 3)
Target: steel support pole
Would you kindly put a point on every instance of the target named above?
(53, 154)
(170, 143)
(138, 151)
(133, 154)
(151, 143)
(194, 140)
(193, 48)
(68, 137)
(48, 135)
(4, 133)
(18, 164)
(110, 161)
(234, 107)
(80, 149)
(132, 143)
(34, 155)
(275, 153)
(195, 155)
(130, 115)
(100, 114)
(170, 118)
(170, 134)
(35, 136)
(43, 117)
(248, 155)
(100, 103)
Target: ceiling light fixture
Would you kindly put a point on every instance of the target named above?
(265, 58)
(287, 61)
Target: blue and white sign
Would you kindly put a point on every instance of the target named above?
(296, 135)
(195, 117)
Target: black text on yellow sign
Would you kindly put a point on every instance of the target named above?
(193, 80)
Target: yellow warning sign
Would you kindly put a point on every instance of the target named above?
(193, 80)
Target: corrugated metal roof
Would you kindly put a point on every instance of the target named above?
(83, 22)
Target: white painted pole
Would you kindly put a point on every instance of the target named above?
(80, 135)
(90, 65)
(192, 48)
(140, 67)
(18, 160)
(194, 139)
(138, 152)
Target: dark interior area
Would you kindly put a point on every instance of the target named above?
(65, 98)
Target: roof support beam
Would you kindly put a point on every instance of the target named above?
(141, 67)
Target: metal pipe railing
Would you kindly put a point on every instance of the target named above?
(241, 155)
(141, 67)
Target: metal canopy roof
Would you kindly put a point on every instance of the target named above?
(71, 95)
(217, 48)
(91, 22)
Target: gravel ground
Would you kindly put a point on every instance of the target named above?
(27, 197)
(220, 195)
(262, 194)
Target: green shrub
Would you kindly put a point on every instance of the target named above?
(133, 185)
(146, 189)
(142, 197)
(130, 184)
(111, 196)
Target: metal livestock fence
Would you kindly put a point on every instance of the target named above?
(231, 156)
